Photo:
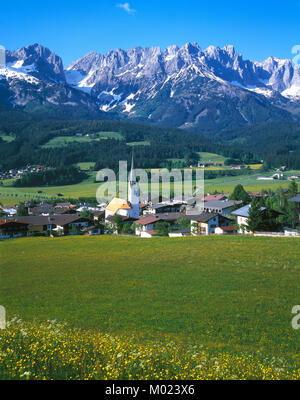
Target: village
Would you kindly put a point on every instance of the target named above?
(19, 173)
(145, 217)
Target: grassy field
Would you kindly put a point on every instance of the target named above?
(144, 143)
(227, 293)
(7, 138)
(85, 166)
(60, 141)
(52, 350)
(211, 157)
(10, 195)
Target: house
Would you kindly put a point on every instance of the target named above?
(204, 223)
(117, 207)
(205, 165)
(146, 224)
(59, 223)
(9, 211)
(165, 207)
(219, 206)
(63, 210)
(10, 228)
(242, 215)
(42, 209)
(237, 167)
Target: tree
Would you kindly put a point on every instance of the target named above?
(118, 223)
(254, 216)
(85, 213)
(22, 210)
(162, 228)
(232, 161)
(126, 228)
(183, 223)
(293, 188)
(239, 193)
(191, 158)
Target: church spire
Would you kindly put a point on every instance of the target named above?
(132, 177)
(133, 192)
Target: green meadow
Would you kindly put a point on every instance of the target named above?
(87, 188)
(225, 293)
(60, 141)
(7, 137)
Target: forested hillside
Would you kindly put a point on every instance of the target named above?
(105, 143)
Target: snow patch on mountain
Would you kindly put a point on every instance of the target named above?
(292, 92)
(13, 74)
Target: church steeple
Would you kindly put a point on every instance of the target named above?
(133, 193)
(132, 177)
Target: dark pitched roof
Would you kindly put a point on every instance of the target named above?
(203, 217)
(220, 204)
(171, 216)
(61, 220)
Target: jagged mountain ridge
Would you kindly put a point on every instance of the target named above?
(209, 90)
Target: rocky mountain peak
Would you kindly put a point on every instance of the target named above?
(40, 62)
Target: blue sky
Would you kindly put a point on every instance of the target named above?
(73, 28)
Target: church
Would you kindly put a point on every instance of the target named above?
(126, 208)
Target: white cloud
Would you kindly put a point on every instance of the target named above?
(126, 7)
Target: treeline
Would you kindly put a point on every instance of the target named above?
(53, 177)
(228, 172)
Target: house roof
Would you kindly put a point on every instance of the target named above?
(203, 217)
(244, 211)
(228, 228)
(60, 220)
(295, 199)
(166, 204)
(210, 197)
(6, 221)
(171, 216)
(148, 219)
(220, 204)
(118, 204)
